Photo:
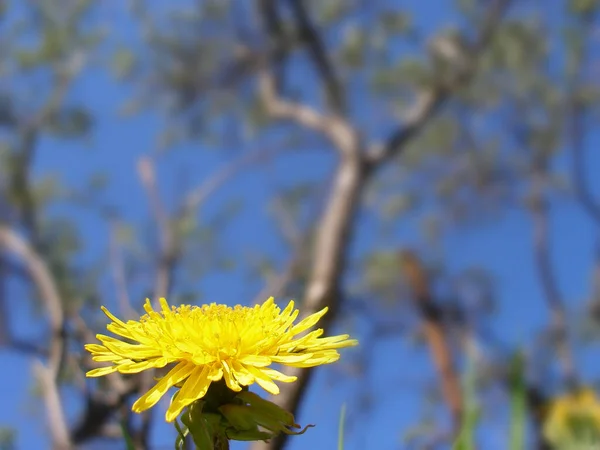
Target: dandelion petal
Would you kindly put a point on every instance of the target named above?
(150, 398)
(194, 388)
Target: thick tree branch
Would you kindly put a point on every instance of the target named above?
(328, 263)
(333, 127)
(338, 218)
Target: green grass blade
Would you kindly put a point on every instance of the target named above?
(466, 437)
(128, 440)
(341, 428)
(518, 406)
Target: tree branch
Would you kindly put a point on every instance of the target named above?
(539, 213)
(29, 131)
(198, 196)
(425, 106)
(328, 263)
(4, 318)
(429, 101)
(100, 406)
(118, 275)
(56, 419)
(318, 53)
(333, 127)
(46, 286)
(168, 248)
(337, 221)
(582, 188)
(435, 333)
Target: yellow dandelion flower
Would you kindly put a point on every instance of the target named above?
(573, 417)
(213, 342)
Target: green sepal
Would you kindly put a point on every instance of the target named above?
(255, 411)
(182, 432)
(249, 435)
(207, 429)
(267, 408)
(224, 415)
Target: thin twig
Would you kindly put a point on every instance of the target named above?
(198, 196)
(100, 405)
(277, 285)
(579, 167)
(164, 271)
(319, 56)
(539, 214)
(118, 275)
(46, 286)
(165, 233)
(4, 319)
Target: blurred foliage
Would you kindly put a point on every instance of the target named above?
(7, 439)
(196, 65)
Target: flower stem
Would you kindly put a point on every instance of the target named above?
(220, 443)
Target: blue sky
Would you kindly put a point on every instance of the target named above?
(400, 372)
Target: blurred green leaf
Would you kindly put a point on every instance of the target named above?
(584, 7)
(70, 122)
(466, 438)
(8, 438)
(123, 62)
(396, 22)
(353, 46)
(518, 403)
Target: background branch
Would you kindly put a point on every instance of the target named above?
(338, 218)
(579, 165)
(45, 284)
(431, 315)
(542, 255)
(429, 101)
(56, 419)
(319, 56)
